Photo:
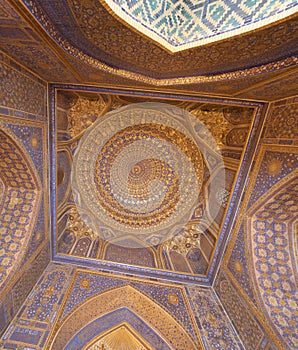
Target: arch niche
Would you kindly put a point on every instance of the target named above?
(103, 313)
(20, 196)
(272, 222)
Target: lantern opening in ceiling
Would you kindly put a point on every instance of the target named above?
(177, 25)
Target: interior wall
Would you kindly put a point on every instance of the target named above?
(24, 231)
(217, 331)
(243, 284)
(71, 307)
(257, 283)
(66, 300)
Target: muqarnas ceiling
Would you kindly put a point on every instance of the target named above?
(138, 186)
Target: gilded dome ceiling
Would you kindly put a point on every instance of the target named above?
(144, 143)
(139, 170)
(144, 181)
(121, 338)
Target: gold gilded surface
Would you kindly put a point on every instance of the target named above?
(115, 145)
(173, 299)
(2, 190)
(143, 173)
(150, 312)
(216, 123)
(186, 240)
(62, 284)
(120, 338)
(274, 167)
(214, 67)
(77, 225)
(219, 120)
(32, 55)
(135, 162)
(83, 113)
(34, 141)
(21, 197)
(133, 53)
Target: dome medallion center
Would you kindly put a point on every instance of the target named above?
(139, 171)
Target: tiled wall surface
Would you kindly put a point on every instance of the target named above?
(24, 232)
(259, 274)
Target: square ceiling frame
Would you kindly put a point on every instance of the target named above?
(235, 199)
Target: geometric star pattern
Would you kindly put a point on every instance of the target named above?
(274, 269)
(19, 204)
(182, 24)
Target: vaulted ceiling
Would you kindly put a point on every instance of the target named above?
(148, 173)
(161, 176)
(86, 42)
(135, 53)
